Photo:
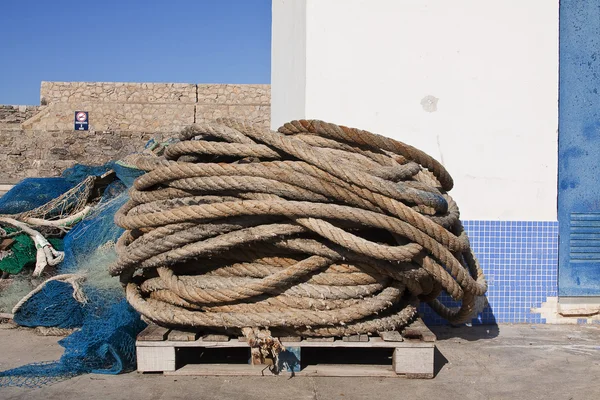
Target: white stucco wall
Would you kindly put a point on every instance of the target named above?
(288, 72)
(380, 65)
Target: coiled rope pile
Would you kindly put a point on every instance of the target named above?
(315, 230)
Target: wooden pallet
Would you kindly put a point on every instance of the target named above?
(412, 354)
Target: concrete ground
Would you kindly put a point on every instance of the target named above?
(490, 362)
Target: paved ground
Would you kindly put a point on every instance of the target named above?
(506, 362)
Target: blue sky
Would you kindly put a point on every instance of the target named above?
(201, 41)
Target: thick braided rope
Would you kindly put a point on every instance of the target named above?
(315, 230)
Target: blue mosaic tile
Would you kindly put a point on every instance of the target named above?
(520, 261)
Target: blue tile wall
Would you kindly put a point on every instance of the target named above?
(520, 261)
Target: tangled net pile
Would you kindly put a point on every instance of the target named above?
(76, 295)
(314, 230)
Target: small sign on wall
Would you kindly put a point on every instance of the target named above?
(81, 121)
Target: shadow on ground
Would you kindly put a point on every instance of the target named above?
(480, 328)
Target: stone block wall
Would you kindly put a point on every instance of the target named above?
(160, 107)
(234, 94)
(13, 116)
(117, 92)
(249, 102)
(41, 140)
(110, 117)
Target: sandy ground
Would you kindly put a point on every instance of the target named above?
(489, 362)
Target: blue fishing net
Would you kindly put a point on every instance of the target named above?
(126, 173)
(108, 325)
(53, 306)
(79, 172)
(31, 193)
(105, 344)
(96, 231)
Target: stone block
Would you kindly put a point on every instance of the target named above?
(112, 92)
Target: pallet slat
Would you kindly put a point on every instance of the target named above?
(320, 339)
(215, 338)
(290, 339)
(419, 330)
(356, 338)
(349, 370)
(183, 336)
(153, 333)
(373, 342)
(391, 336)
